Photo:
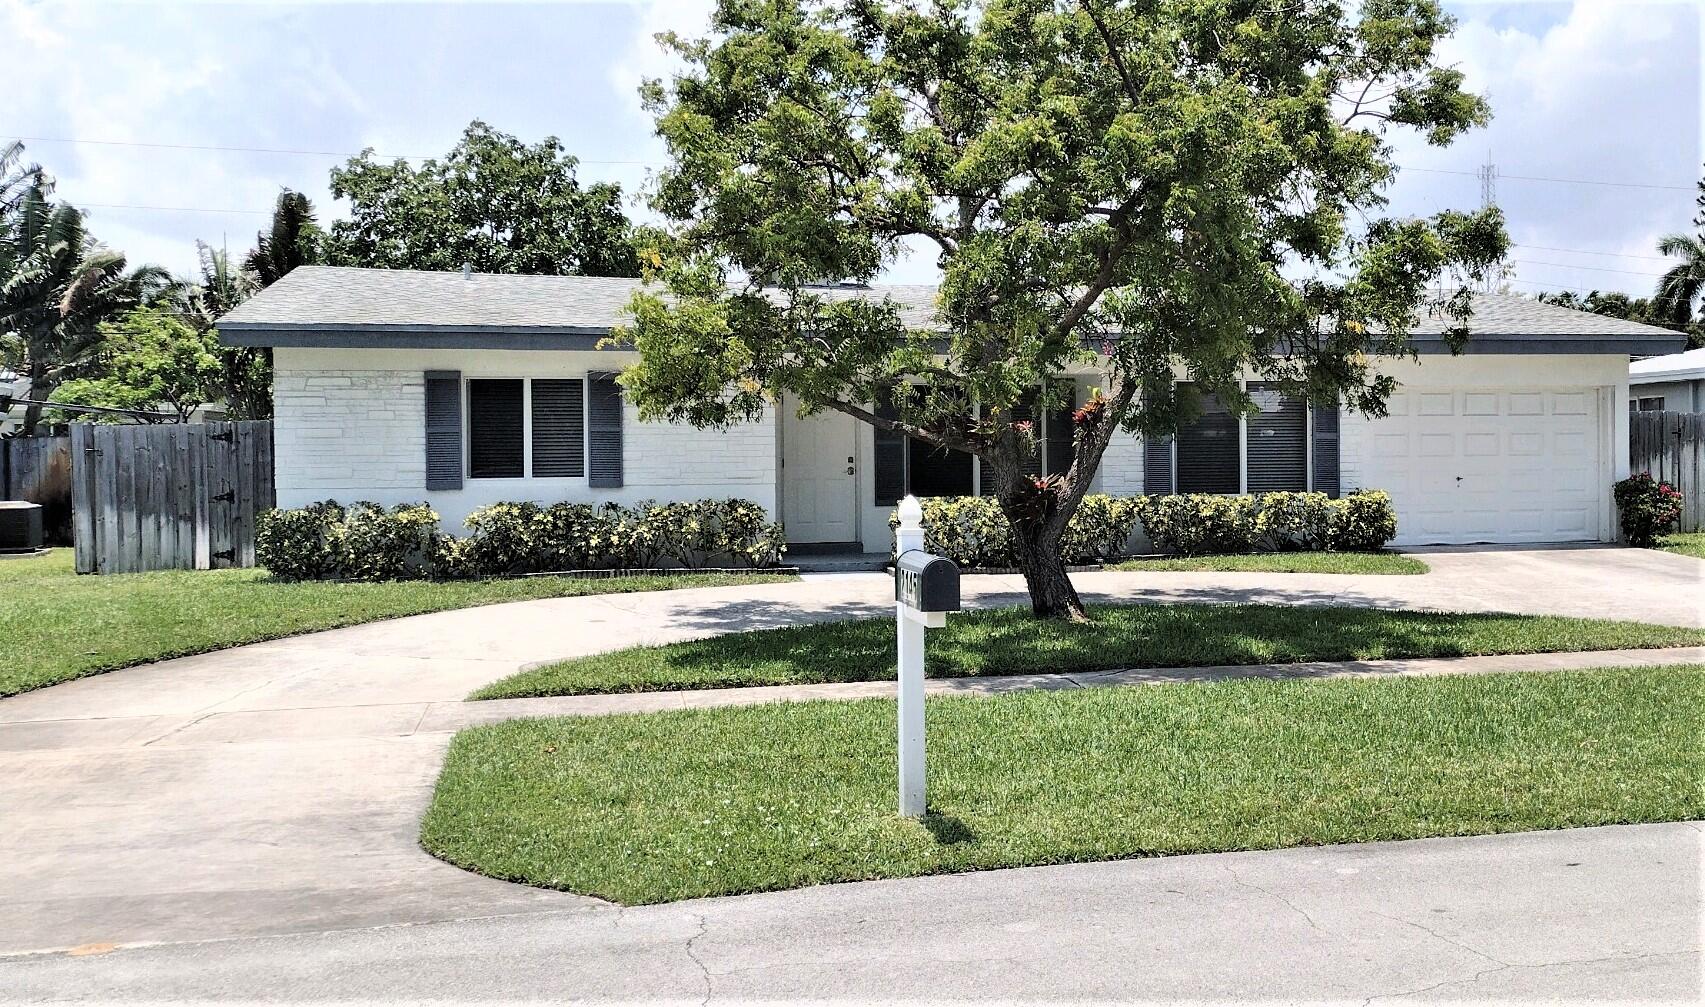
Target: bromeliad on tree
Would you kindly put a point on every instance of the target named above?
(1150, 189)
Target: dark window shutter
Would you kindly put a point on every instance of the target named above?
(443, 430)
(495, 423)
(937, 472)
(1157, 464)
(1278, 441)
(1208, 451)
(603, 430)
(890, 457)
(1059, 433)
(1326, 451)
(559, 427)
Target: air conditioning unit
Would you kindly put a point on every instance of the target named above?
(20, 526)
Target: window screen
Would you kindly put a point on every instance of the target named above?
(1278, 441)
(494, 429)
(1208, 451)
(559, 427)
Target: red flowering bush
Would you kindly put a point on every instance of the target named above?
(1648, 508)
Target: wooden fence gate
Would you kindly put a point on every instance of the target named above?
(169, 497)
(1671, 446)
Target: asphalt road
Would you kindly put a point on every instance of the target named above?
(1588, 914)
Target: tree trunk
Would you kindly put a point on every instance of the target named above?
(1052, 595)
(38, 392)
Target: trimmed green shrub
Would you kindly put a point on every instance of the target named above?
(393, 544)
(1195, 524)
(305, 543)
(368, 542)
(1361, 522)
(1646, 508)
(974, 533)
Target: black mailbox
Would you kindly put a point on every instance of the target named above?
(926, 582)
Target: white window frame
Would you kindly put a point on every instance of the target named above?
(526, 427)
(1243, 452)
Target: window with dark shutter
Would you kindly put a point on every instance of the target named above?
(603, 431)
(937, 472)
(1326, 450)
(1208, 451)
(1157, 464)
(443, 430)
(495, 450)
(1278, 441)
(559, 427)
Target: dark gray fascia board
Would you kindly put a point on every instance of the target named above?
(1520, 345)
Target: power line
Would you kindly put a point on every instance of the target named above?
(170, 209)
(1591, 251)
(1596, 269)
(1563, 181)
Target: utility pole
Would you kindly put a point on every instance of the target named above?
(1488, 174)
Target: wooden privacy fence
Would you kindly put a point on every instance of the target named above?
(169, 497)
(1671, 446)
(38, 469)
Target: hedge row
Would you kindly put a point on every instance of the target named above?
(972, 531)
(370, 542)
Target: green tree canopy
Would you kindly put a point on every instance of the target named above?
(494, 202)
(1150, 187)
(150, 360)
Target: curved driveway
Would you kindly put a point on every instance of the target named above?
(276, 788)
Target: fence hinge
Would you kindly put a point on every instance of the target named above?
(229, 555)
(227, 437)
(229, 496)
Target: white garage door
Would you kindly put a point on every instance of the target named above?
(1508, 465)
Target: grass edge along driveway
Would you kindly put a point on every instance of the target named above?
(656, 807)
(1279, 562)
(57, 626)
(1007, 641)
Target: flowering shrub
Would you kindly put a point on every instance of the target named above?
(368, 542)
(1647, 508)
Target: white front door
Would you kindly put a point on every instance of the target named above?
(1499, 465)
(819, 481)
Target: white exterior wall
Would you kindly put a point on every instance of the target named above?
(350, 425)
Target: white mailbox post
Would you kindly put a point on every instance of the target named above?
(926, 588)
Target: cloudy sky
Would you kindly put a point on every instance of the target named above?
(172, 122)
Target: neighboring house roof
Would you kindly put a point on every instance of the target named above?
(1671, 367)
(412, 309)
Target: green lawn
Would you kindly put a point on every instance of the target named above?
(1008, 641)
(657, 807)
(55, 625)
(1687, 543)
(1281, 562)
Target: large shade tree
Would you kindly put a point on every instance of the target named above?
(57, 285)
(1189, 186)
(494, 202)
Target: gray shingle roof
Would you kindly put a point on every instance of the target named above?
(339, 297)
(334, 300)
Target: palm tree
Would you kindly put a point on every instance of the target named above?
(16, 177)
(1681, 286)
(223, 286)
(292, 240)
(57, 285)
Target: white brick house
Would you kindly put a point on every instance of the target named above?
(394, 386)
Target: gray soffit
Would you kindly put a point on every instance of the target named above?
(330, 306)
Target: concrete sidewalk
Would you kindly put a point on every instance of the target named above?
(1586, 914)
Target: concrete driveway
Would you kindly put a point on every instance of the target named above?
(276, 788)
